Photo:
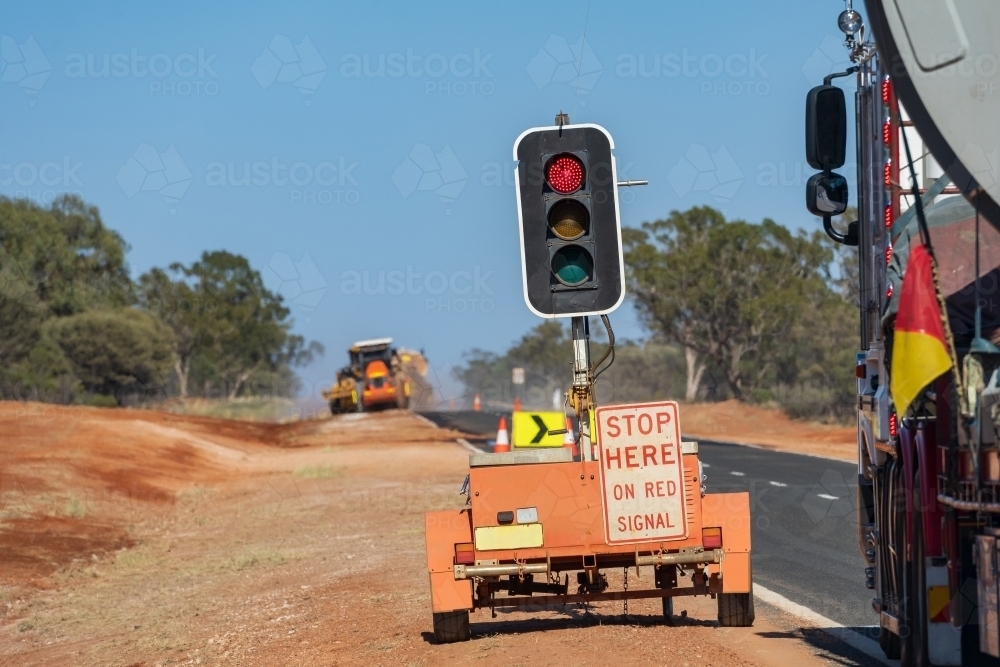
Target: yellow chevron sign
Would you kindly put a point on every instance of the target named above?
(532, 429)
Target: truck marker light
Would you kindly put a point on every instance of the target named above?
(888, 253)
(564, 173)
(886, 132)
(860, 371)
(465, 554)
(887, 173)
(888, 291)
(893, 425)
(886, 91)
(711, 538)
(888, 216)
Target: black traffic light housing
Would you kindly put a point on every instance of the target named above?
(567, 197)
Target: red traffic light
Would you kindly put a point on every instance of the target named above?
(564, 173)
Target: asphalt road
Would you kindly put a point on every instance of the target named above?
(805, 528)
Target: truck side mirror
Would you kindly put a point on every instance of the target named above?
(826, 127)
(826, 194)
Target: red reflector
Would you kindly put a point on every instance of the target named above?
(711, 538)
(465, 554)
(893, 425)
(564, 174)
(886, 91)
(860, 371)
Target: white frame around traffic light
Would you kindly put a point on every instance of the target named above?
(520, 221)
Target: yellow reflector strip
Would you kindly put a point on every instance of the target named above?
(937, 604)
(520, 536)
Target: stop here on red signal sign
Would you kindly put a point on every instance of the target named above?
(642, 474)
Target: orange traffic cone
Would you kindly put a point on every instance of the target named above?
(477, 405)
(517, 404)
(503, 442)
(569, 440)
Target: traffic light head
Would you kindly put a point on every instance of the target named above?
(567, 199)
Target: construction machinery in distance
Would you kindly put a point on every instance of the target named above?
(378, 376)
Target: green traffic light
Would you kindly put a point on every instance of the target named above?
(572, 265)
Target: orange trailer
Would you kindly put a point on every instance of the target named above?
(536, 516)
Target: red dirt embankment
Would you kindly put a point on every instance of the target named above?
(138, 538)
(733, 421)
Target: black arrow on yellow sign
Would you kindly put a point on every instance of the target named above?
(542, 429)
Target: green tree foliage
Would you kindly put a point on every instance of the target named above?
(74, 327)
(546, 354)
(65, 254)
(123, 353)
(54, 262)
(752, 299)
(230, 331)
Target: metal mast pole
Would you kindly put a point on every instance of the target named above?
(582, 398)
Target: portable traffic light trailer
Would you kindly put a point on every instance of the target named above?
(633, 497)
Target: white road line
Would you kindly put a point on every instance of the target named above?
(704, 465)
(777, 484)
(827, 496)
(738, 474)
(854, 639)
(467, 445)
(425, 420)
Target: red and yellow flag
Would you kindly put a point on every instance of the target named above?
(920, 350)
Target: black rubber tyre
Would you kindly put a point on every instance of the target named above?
(736, 610)
(668, 610)
(451, 626)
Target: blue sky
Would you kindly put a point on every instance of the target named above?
(330, 142)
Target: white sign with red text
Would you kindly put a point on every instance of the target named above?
(642, 475)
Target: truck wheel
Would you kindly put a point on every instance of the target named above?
(736, 610)
(451, 626)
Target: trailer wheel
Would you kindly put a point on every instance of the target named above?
(736, 610)
(451, 626)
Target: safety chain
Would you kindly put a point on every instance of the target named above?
(625, 570)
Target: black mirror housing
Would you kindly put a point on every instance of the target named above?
(826, 194)
(826, 127)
